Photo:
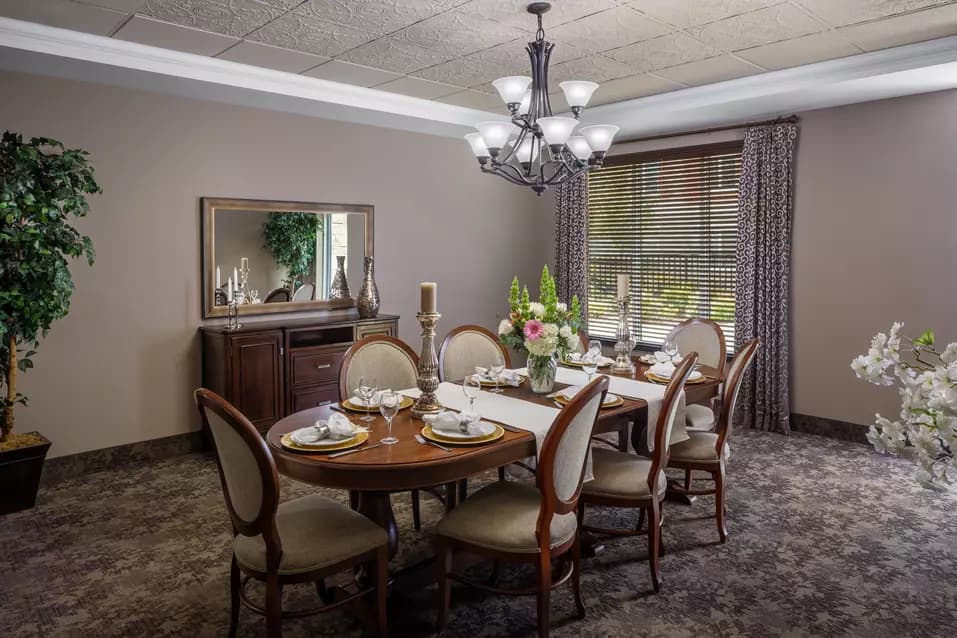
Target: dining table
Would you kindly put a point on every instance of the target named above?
(374, 473)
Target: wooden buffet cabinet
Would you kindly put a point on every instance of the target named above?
(269, 369)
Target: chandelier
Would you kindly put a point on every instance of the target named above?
(536, 148)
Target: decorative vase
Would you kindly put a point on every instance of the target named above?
(368, 300)
(340, 285)
(541, 373)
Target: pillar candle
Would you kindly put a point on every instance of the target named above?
(229, 289)
(219, 280)
(623, 285)
(235, 276)
(428, 296)
(244, 263)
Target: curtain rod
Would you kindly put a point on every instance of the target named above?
(792, 119)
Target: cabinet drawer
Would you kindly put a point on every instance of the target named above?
(313, 397)
(316, 366)
(367, 330)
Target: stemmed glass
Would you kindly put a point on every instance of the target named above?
(670, 348)
(366, 392)
(389, 407)
(591, 359)
(496, 369)
(471, 386)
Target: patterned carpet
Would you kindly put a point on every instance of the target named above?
(827, 539)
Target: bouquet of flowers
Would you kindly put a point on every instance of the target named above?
(542, 329)
(927, 429)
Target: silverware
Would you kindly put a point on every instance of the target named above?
(358, 449)
(424, 441)
(559, 404)
(338, 408)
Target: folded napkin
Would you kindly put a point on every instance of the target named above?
(506, 377)
(567, 393)
(662, 369)
(661, 357)
(455, 422)
(576, 357)
(335, 428)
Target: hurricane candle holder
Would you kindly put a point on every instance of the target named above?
(428, 372)
(625, 344)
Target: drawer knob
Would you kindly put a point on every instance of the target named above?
(323, 366)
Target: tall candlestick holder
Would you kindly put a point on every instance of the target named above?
(428, 372)
(232, 313)
(625, 344)
(244, 283)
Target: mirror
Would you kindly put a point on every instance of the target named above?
(271, 256)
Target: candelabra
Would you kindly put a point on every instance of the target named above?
(428, 372)
(232, 313)
(244, 282)
(625, 344)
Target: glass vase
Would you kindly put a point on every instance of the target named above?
(541, 373)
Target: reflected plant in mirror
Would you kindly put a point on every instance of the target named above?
(292, 239)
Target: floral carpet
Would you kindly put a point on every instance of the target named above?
(827, 538)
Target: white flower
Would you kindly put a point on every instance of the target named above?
(949, 355)
(551, 330)
(536, 309)
(562, 307)
(505, 327)
(544, 346)
(571, 342)
(565, 332)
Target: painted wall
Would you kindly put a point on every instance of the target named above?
(121, 367)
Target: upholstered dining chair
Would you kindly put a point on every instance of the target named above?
(708, 451)
(466, 347)
(395, 366)
(278, 295)
(512, 521)
(305, 292)
(705, 337)
(626, 480)
(299, 541)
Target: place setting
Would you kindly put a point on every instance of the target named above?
(497, 377)
(367, 399)
(329, 434)
(662, 365)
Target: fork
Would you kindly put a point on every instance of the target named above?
(424, 441)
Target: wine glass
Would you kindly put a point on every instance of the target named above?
(471, 386)
(389, 407)
(496, 369)
(366, 392)
(591, 359)
(670, 348)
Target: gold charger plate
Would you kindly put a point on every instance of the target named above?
(612, 404)
(428, 433)
(348, 404)
(665, 380)
(578, 364)
(488, 383)
(357, 440)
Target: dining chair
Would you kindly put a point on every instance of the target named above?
(395, 366)
(299, 541)
(278, 295)
(511, 521)
(305, 292)
(626, 480)
(708, 451)
(466, 347)
(705, 337)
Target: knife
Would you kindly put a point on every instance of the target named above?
(358, 449)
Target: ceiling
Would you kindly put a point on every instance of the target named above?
(450, 50)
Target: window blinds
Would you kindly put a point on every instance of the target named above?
(669, 219)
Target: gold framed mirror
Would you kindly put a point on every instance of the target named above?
(273, 256)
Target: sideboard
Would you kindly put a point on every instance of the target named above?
(269, 369)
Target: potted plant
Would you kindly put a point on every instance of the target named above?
(291, 238)
(42, 187)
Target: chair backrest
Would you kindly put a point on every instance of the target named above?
(562, 459)
(732, 384)
(466, 347)
(246, 468)
(393, 364)
(704, 337)
(666, 418)
(276, 296)
(305, 292)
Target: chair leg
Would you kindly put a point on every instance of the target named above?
(719, 502)
(544, 594)
(354, 500)
(450, 492)
(577, 576)
(641, 520)
(463, 490)
(234, 585)
(687, 480)
(325, 595)
(273, 607)
(382, 590)
(416, 514)
(654, 543)
(501, 473)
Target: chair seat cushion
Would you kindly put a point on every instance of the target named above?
(622, 475)
(502, 517)
(700, 447)
(315, 532)
(699, 417)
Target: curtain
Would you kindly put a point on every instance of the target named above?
(763, 273)
(571, 238)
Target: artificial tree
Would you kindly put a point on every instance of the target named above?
(291, 238)
(43, 187)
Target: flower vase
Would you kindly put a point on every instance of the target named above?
(541, 373)
(340, 285)
(368, 301)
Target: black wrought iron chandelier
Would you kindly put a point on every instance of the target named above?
(536, 148)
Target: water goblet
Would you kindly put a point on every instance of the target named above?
(496, 369)
(366, 392)
(670, 348)
(388, 408)
(591, 359)
(471, 386)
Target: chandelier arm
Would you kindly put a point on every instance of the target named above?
(515, 179)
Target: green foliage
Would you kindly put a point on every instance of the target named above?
(42, 186)
(513, 295)
(926, 339)
(291, 238)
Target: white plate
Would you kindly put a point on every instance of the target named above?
(484, 429)
(694, 376)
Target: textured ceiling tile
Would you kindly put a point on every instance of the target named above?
(418, 88)
(595, 68)
(64, 14)
(375, 16)
(458, 33)
(668, 50)
(271, 57)
(514, 13)
(482, 67)
(780, 22)
(306, 33)
(172, 36)
(693, 13)
(913, 27)
(708, 71)
(475, 100)
(630, 88)
(393, 55)
(127, 6)
(229, 17)
(806, 50)
(339, 71)
(607, 30)
(847, 12)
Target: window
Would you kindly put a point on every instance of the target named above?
(669, 219)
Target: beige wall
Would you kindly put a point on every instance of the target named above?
(121, 366)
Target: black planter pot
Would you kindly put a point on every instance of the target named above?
(20, 471)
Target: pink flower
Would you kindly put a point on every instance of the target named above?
(534, 329)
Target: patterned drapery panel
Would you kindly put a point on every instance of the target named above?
(764, 273)
(571, 238)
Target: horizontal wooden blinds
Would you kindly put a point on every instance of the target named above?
(669, 219)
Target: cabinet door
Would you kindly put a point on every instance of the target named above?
(378, 328)
(256, 362)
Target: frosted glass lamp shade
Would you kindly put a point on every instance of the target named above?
(577, 93)
(526, 103)
(494, 133)
(512, 88)
(527, 150)
(557, 130)
(579, 147)
(599, 136)
(478, 145)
